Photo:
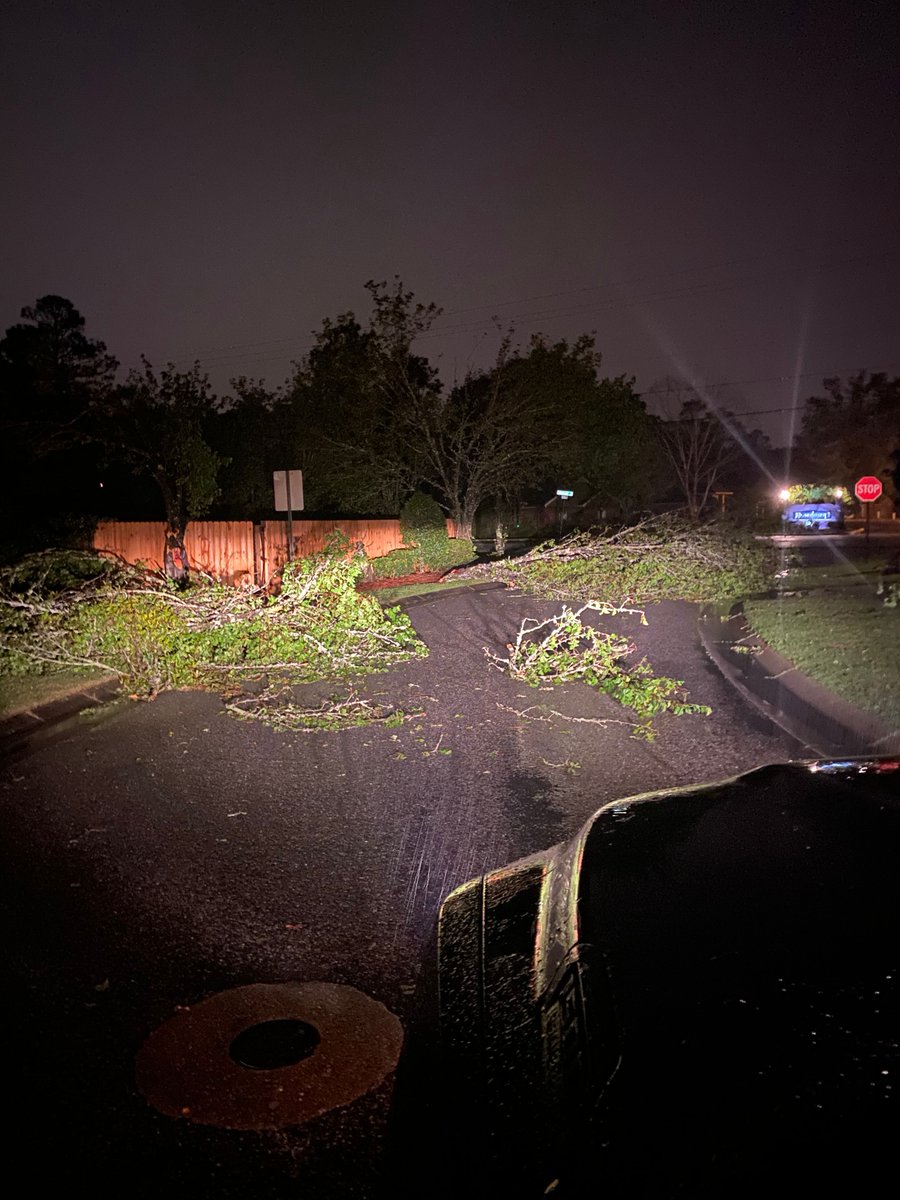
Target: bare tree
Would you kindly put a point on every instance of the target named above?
(499, 429)
(695, 437)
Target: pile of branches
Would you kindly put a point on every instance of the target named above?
(658, 559)
(563, 648)
(278, 707)
(39, 595)
(104, 614)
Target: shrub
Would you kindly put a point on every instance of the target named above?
(398, 564)
(458, 551)
(428, 547)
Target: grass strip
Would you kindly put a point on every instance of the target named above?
(21, 693)
(843, 637)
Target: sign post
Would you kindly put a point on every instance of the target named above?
(562, 495)
(867, 490)
(288, 498)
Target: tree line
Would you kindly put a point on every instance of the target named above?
(369, 420)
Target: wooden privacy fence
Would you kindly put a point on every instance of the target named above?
(235, 551)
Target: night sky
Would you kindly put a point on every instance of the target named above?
(714, 188)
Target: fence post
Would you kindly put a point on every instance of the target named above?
(263, 555)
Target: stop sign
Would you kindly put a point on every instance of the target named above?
(868, 488)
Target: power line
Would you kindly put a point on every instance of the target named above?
(761, 412)
(824, 373)
(631, 301)
(473, 326)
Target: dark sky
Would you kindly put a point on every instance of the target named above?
(714, 188)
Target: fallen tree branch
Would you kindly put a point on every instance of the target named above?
(278, 712)
(527, 714)
(562, 649)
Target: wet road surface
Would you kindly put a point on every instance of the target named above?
(156, 854)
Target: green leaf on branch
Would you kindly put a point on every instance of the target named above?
(564, 649)
(134, 623)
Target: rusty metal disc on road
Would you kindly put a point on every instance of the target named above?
(268, 1056)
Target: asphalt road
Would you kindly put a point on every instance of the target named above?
(823, 549)
(155, 854)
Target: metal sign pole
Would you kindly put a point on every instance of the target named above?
(290, 518)
(288, 492)
(562, 495)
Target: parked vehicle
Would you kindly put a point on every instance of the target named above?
(696, 996)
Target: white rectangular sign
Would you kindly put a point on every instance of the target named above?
(282, 480)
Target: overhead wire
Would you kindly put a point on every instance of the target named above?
(240, 350)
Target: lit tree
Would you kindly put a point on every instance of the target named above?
(156, 425)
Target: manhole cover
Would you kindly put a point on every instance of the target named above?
(274, 1044)
(269, 1056)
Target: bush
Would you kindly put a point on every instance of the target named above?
(458, 551)
(428, 547)
(51, 571)
(398, 564)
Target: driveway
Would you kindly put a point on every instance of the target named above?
(155, 854)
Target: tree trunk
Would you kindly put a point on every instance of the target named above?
(464, 524)
(176, 559)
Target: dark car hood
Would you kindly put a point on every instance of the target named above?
(747, 940)
(697, 981)
(785, 865)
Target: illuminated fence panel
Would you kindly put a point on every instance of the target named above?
(135, 541)
(222, 548)
(239, 551)
(377, 538)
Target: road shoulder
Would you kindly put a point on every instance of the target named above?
(20, 722)
(799, 705)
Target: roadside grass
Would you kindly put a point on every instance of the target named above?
(388, 596)
(835, 575)
(838, 632)
(20, 693)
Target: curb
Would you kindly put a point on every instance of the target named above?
(19, 725)
(431, 597)
(797, 704)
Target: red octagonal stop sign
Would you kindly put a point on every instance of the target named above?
(868, 488)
